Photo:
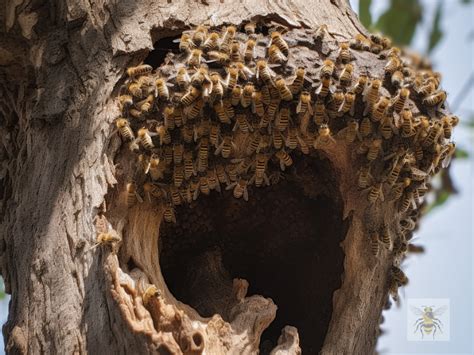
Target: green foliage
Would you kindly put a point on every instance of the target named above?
(440, 200)
(461, 153)
(436, 33)
(2, 289)
(400, 20)
(466, 2)
(364, 13)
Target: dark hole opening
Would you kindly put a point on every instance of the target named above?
(284, 241)
(162, 48)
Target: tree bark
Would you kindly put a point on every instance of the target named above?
(60, 65)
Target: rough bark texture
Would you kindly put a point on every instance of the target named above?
(60, 65)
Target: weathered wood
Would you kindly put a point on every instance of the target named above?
(60, 64)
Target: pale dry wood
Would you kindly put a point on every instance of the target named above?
(61, 62)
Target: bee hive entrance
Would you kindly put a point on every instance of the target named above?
(284, 241)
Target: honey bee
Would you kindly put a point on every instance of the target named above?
(178, 116)
(407, 201)
(399, 101)
(284, 159)
(365, 127)
(240, 189)
(304, 108)
(132, 195)
(337, 99)
(392, 65)
(226, 146)
(260, 171)
(139, 70)
(163, 134)
(125, 101)
(195, 109)
(249, 52)
(236, 95)
(375, 193)
(397, 78)
(375, 149)
(346, 75)
(169, 214)
(380, 108)
(394, 173)
(229, 109)
(162, 89)
(283, 118)
(204, 187)
(214, 132)
(292, 138)
(247, 94)
(123, 127)
(275, 55)
(360, 42)
(220, 110)
(448, 154)
(359, 88)
(283, 90)
(426, 89)
(263, 72)
(374, 244)
(135, 89)
(244, 72)
(436, 99)
(203, 154)
(321, 32)
(212, 42)
(277, 139)
(448, 123)
(217, 88)
(250, 27)
(145, 105)
(186, 43)
(297, 84)
(222, 175)
(188, 165)
(157, 168)
(145, 138)
(279, 42)
(188, 98)
(194, 59)
(324, 87)
(399, 188)
(168, 154)
(372, 94)
(350, 132)
(232, 77)
(348, 104)
(408, 128)
(235, 52)
(175, 195)
(254, 143)
(178, 175)
(434, 133)
(393, 289)
(324, 137)
(327, 69)
(168, 115)
(320, 115)
(110, 238)
(242, 123)
(218, 57)
(187, 133)
(199, 35)
(399, 276)
(178, 151)
(364, 178)
(227, 38)
(344, 54)
(257, 104)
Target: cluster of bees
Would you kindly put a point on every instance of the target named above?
(225, 112)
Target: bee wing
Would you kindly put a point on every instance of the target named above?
(416, 310)
(298, 107)
(439, 311)
(246, 194)
(231, 186)
(418, 171)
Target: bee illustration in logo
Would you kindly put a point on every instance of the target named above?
(428, 322)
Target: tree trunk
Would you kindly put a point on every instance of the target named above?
(61, 64)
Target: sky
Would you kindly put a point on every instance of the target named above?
(446, 270)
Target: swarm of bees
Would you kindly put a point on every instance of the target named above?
(232, 110)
